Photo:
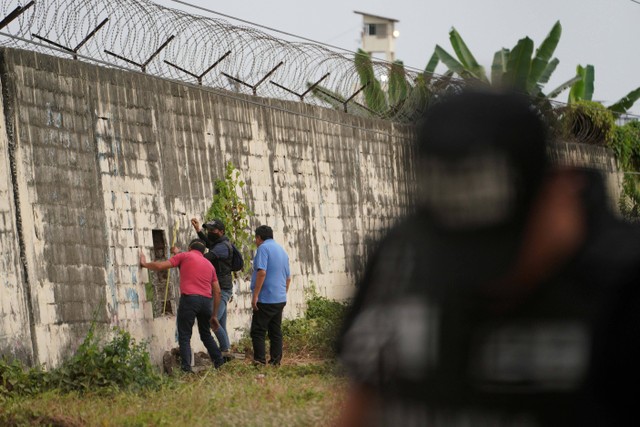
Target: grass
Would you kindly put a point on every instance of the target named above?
(239, 394)
(110, 381)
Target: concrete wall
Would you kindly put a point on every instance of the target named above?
(15, 331)
(97, 163)
(106, 159)
(594, 156)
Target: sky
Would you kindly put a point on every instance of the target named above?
(603, 33)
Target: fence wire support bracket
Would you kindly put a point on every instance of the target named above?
(354, 95)
(365, 107)
(303, 94)
(143, 66)
(235, 79)
(15, 13)
(254, 88)
(273, 70)
(204, 73)
(330, 95)
(74, 51)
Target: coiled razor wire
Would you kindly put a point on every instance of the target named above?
(143, 36)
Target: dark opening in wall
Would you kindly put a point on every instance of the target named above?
(159, 278)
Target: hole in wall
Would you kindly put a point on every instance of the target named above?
(159, 278)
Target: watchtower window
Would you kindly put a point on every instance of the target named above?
(379, 30)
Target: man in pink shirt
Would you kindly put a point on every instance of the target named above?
(199, 299)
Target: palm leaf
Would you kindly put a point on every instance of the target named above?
(589, 80)
(551, 67)
(465, 56)
(543, 55)
(582, 89)
(374, 96)
(398, 87)
(499, 66)
(564, 86)
(519, 64)
(431, 67)
(623, 105)
(451, 62)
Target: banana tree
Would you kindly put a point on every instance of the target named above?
(626, 102)
(374, 96)
(518, 68)
(582, 90)
(400, 98)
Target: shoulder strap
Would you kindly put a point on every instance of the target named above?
(230, 247)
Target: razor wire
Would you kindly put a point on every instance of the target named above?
(143, 36)
(149, 38)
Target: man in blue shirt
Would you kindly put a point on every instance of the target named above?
(269, 285)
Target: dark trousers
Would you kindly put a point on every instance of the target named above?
(267, 320)
(194, 307)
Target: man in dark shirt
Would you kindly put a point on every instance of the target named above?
(220, 253)
(510, 298)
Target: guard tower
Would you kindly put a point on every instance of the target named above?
(378, 35)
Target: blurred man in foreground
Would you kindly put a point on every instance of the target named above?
(509, 299)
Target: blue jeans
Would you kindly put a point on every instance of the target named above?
(221, 333)
(190, 308)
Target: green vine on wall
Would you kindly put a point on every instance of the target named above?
(626, 146)
(591, 121)
(228, 206)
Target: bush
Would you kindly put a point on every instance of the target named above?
(588, 122)
(121, 364)
(311, 336)
(18, 380)
(626, 146)
(315, 334)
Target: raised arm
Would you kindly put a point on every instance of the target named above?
(154, 265)
(199, 231)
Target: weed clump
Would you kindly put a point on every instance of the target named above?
(311, 336)
(314, 335)
(121, 364)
